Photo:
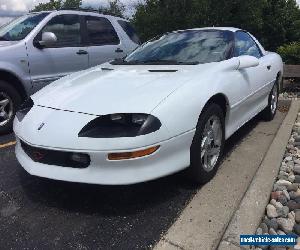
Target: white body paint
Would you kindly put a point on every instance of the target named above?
(175, 98)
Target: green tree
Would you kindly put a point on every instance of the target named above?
(115, 8)
(281, 23)
(274, 22)
(52, 5)
(159, 16)
(72, 4)
(58, 4)
(290, 53)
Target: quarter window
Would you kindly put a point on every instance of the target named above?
(130, 31)
(100, 31)
(245, 45)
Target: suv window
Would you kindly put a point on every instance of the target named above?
(67, 30)
(100, 31)
(20, 27)
(130, 31)
(245, 45)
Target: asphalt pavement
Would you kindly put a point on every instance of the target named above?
(38, 213)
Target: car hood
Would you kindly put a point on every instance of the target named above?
(7, 43)
(110, 89)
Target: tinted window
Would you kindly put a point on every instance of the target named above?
(19, 28)
(245, 45)
(193, 46)
(67, 30)
(130, 31)
(100, 31)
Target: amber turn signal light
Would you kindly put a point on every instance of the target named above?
(132, 155)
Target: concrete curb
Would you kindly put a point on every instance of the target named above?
(247, 217)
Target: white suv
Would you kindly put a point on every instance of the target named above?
(41, 47)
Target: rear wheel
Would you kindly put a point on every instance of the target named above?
(10, 100)
(270, 111)
(207, 146)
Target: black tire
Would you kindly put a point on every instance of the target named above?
(269, 113)
(197, 172)
(7, 90)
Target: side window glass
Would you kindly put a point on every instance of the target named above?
(100, 31)
(130, 31)
(67, 30)
(245, 45)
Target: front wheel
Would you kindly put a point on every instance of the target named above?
(207, 146)
(270, 111)
(9, 102)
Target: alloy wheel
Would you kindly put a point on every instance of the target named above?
(211, 143)
(6, 109)
(274, 99)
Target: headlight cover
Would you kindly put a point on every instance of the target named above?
(24, 109)
(120, 125)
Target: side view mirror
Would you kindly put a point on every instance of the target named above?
(248, 62)
(48, 39)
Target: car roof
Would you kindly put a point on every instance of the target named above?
(213, 28)
(37, 12)
(88, 12)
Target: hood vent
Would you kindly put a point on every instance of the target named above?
(163, 70)
(107, 69)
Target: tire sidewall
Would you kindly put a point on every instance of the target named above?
(276, 85)
(196, 170)
(16, 99)
(270, 115)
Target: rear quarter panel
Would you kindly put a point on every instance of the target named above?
(277, 64)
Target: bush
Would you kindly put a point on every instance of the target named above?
(290, 53)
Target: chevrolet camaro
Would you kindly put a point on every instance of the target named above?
(166, 107)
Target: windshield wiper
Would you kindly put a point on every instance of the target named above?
(2, 38)
(120, 61)
(168, 62)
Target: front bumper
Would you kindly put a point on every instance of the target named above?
(172, 156)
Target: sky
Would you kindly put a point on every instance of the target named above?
(12, 8)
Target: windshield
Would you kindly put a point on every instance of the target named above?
(184, 47)
(20, 27)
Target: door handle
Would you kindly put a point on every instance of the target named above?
(118, 50)
(81, 52)
(269, 67)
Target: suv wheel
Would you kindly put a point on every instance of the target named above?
(10, 100)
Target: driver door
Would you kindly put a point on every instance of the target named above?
(257, 77)
(66, 56)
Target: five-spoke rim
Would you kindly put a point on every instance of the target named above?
(6, 108)
(274, 99)
(211, 143)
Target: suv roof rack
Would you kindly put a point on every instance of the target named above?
(81, 9)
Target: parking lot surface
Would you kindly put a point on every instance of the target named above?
(37, 213)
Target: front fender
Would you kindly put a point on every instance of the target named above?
(181, 110)
(14, 61)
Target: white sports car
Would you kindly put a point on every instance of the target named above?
(166, 107)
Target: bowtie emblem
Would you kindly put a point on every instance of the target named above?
(41, 126)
